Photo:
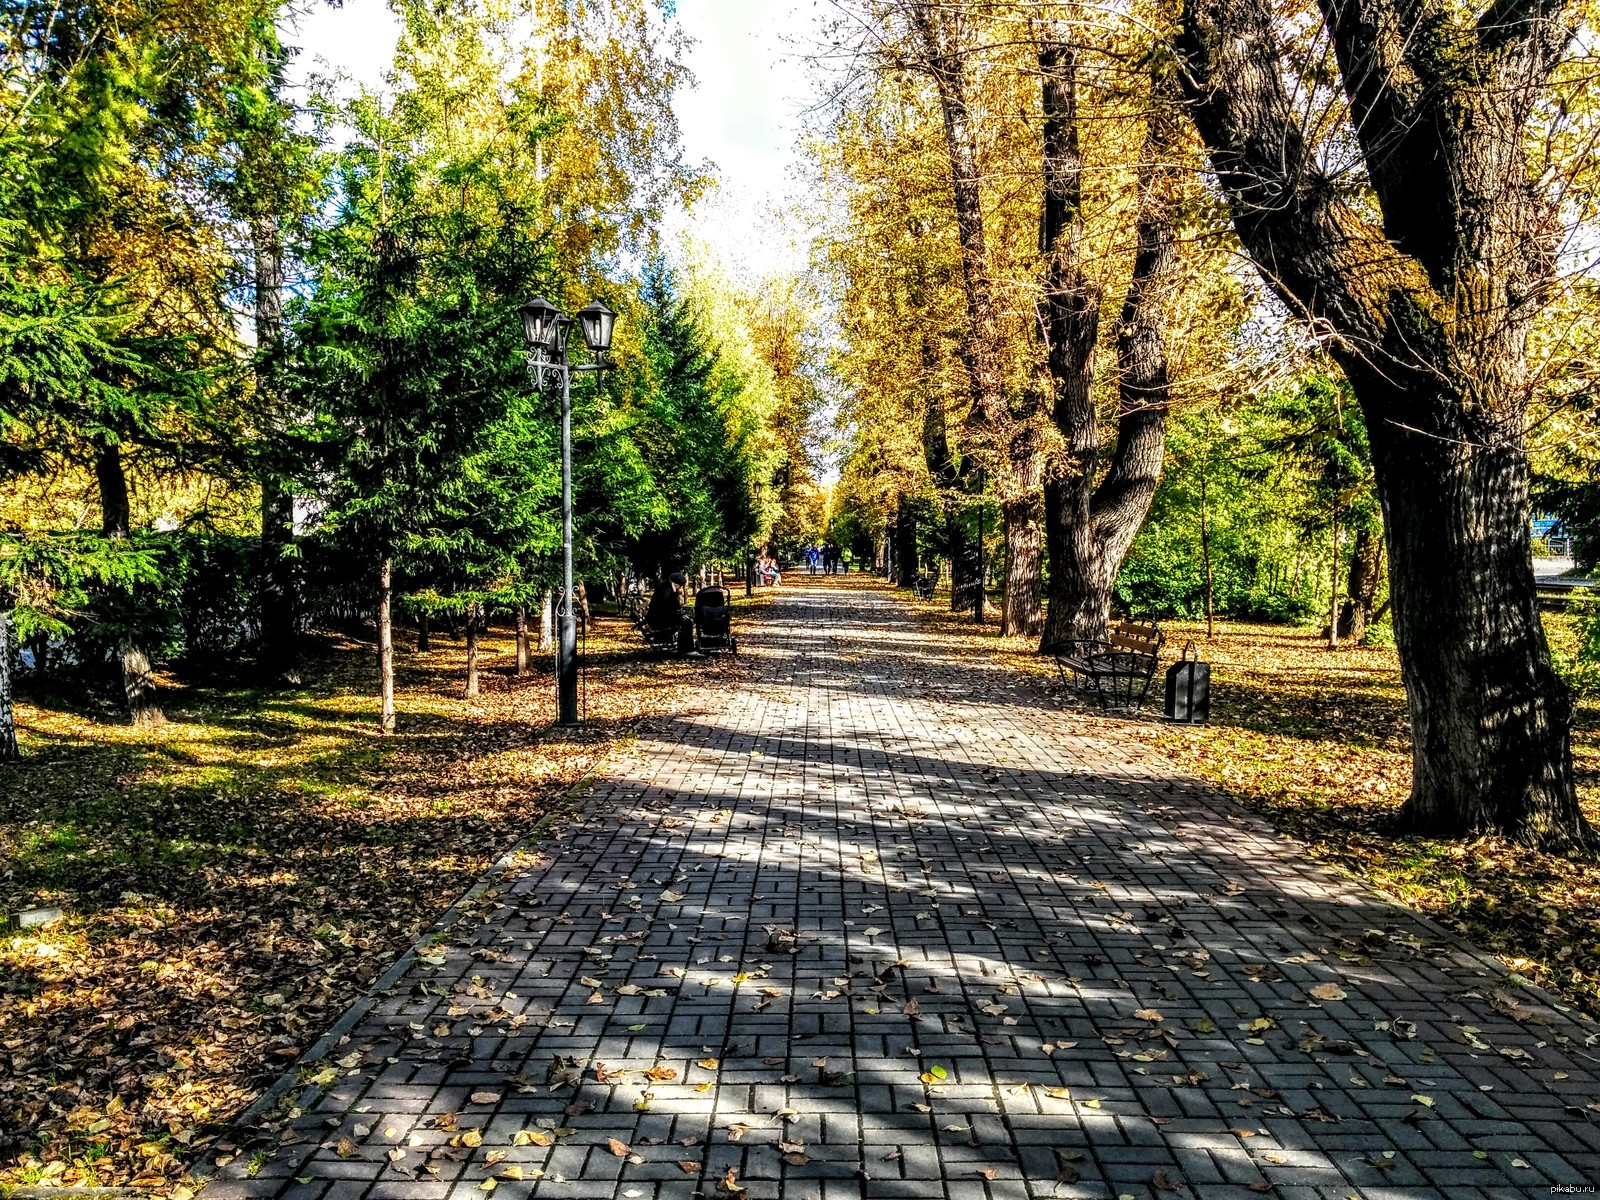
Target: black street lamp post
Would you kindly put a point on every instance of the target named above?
(546, 330)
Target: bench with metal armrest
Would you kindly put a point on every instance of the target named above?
(1116, 671)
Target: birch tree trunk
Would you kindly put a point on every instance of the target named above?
(8, 720)
(472, 649)
(386, 720)
(522, 640)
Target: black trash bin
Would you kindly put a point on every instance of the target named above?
(1189, 688)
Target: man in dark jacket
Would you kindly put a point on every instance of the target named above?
(666, 611)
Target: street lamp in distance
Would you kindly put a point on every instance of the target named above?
(546, 331)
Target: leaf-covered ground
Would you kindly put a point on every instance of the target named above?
(235, 879)
(1318, 741)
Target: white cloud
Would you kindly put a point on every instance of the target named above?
(356, 40)
(743, 116)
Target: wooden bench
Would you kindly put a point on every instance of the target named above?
(922, 586)
(1117, 671)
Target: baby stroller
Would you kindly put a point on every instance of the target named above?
(713, 621)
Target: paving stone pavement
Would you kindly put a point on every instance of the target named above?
(891, 923)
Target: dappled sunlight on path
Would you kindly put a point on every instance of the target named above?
(888, 923)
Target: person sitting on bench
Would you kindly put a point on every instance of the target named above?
(666, 611)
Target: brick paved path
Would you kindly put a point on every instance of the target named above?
(891, 924)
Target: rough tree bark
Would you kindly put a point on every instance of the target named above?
(1431, 314)
(522, 640)
(116, 519)
(276, 600)
(1090, 527)
(8, 720)
(996, 428)
(386, 721)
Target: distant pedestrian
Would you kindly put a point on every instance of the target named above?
(813, 557)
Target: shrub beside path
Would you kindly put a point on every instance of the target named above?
(887, 922)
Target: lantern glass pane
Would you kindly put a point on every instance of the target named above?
(597, 322)
(539, 324)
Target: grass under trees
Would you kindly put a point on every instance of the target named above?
(234, 879)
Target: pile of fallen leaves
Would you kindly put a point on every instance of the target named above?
(1318, 742)
(234, 880)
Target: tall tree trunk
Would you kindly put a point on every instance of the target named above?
(1333, 580)
(8, 720)
(1022, 609)
(1088, 528)
(1431, 312)
(522, 640)
(386, 721)
(1205, 553)
(1362, 585)
(424, 632)
(966, 555)
(39, 645)
(472, 649)
(907, 565)
(953, 501)
(1490, 719)
(138, 677)
(277, 597)
(994, 426)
